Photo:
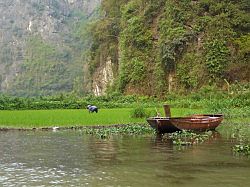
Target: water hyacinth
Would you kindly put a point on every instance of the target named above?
(242, 149)
(186, 138)
(106, 132)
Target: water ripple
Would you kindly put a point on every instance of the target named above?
(72, 159)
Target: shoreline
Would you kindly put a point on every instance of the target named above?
(67, 128)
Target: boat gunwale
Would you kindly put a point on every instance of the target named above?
(188, 118)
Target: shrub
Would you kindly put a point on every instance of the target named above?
(138, 112)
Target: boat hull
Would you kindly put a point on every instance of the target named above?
(198, 122)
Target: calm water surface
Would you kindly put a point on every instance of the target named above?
(70, 158)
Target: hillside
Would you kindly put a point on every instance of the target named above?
(41, 47)
(157, 47)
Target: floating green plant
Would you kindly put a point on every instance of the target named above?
(106, 132)
(242, 149)
(186, 138)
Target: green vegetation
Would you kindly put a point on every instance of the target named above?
(239, 132)
(244, 149)
(140, 112)
(156, 48)
(159, 47)
(120, 130)
(48, 69)
(73, 118)
(73, 102)
(232, 103)
(48, 59)
(65, 118)
(43, 68)
(185, 138)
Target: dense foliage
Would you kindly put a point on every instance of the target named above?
(74, 102)
(166, 45)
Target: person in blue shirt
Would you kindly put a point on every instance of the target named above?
(92, 108)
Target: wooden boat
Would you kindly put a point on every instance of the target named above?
(197, 122)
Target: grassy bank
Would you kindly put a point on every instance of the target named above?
(80, 117)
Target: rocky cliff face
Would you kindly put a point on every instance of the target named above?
(103, 78)
(53, 21)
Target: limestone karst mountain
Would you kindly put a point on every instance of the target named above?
(40, 47)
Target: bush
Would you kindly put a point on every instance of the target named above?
(138, 112)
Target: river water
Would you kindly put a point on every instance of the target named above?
(71, 158)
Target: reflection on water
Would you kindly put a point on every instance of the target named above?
(69, 158)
